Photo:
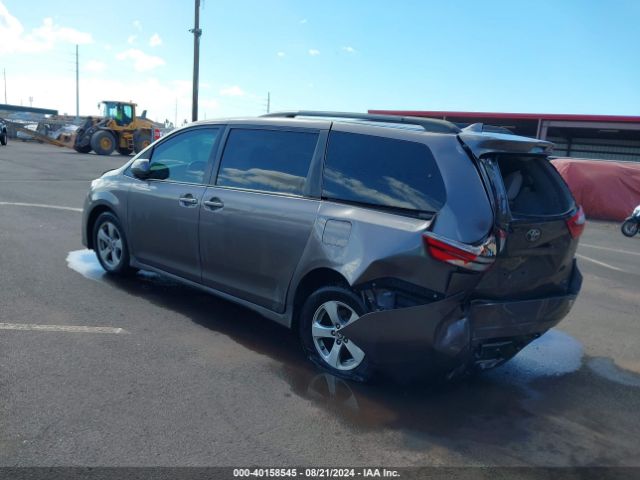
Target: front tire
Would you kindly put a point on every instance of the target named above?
(629, 228)
(3, 138)
(103, 142)
(322, 316)
(110, 245)
(85, 149)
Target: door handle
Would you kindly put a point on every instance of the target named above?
(213, 204)
(188, 200)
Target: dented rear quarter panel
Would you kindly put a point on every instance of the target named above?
(365, 244)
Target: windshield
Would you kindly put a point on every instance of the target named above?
(110, 109)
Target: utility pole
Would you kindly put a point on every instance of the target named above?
(4, 72)
(268, 102)
(196, 60)
(77, 87)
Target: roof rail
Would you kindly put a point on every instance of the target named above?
(429, 124)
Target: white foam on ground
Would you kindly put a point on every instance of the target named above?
(85, 263)
(553, 354)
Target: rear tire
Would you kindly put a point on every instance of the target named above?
(103, 142)
(85, 149)
(3, 138)
(110, 245)
(322, 316)
(629, 228)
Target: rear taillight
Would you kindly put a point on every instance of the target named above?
(576, 223)
(478, 258)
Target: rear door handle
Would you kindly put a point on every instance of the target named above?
(213, 203)
(188, 200)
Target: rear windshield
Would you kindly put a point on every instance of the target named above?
(533, 186)
(384, 172)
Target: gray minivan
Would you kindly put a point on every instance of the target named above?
(389, 244)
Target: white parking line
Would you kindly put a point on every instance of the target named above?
(610, 249)
(60, 328)
(602, 264)
(40, 205)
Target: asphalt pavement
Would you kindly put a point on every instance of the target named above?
(175, 377)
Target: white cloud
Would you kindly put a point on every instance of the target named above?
(155, 40)
(95, 66)
(313, 52)
(303, 21)
(51, 33)
(137, 24)
(234, 91)
(41, 39)
(208, 103)
(280, 54)
(157, 97)
(349, 49)
(150, 93)
(141, 61)
(131, 39)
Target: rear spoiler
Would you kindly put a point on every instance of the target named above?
(482, 142)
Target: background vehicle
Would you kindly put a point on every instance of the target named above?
(390, 244)
(118, 129)
(631, 224)
(3, 133)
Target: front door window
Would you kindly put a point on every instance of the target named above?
(184, 157)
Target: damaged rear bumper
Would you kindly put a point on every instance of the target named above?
(446, 334)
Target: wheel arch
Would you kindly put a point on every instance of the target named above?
(91, 220)
(309, 283)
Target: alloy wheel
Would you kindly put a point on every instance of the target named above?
(334, 348)
(109, 245)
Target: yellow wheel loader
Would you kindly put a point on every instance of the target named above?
(118, 129)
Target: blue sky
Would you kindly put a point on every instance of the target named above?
(562, 56)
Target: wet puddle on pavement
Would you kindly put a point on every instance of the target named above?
(493, 406)
(494, 397)
(607, 368)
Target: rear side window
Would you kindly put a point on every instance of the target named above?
(382, 171)
(267, 160)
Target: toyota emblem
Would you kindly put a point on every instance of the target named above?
(533, 235)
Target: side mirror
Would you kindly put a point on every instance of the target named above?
(141, 168)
